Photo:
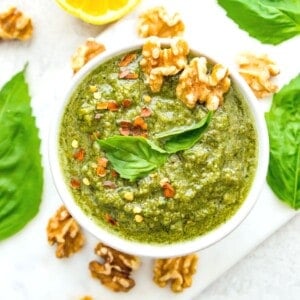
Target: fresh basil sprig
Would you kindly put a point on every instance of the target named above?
(133, 157)
(21, 174)
(283, 122)
(185, 137)
(269, 21)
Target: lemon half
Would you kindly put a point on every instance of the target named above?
(98, 12)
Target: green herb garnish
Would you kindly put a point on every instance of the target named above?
(21, 174)
(269, 21)
(283, 122)
(135, 157)
(185, 137)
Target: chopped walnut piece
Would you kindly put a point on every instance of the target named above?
(157, 22)
(178, 271)
(86, 298)
(197, 84)
(64, 231)
(258, 71)
(115, 272)
(85, 53)
(158, 62)
(15, 25)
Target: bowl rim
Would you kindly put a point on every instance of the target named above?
(158, 250)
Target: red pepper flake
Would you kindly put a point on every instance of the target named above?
(132, 76)
(124, 131)
(79, 155)
(112, 105)
(109, 184)
(136, 131)
(101, 167)
(102, 105)
(109, 219)
(125, 123)
(168, 190)
(137, 128)
(126, 74)
(146, 112)
(140, 122)
(127, 59)
(101, 171)
(126, 103)
(114, 173)
(75, 183)
(125, 128)
(102, 161)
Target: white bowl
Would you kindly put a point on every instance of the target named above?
(154, 250)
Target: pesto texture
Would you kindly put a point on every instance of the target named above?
(189, 191)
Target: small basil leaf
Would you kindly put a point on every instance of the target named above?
(185, 137)
(266, 20)
(133, 157)
(21, 174)
(283, 122)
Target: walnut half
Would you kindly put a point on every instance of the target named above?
(115, 272)
(15, 25)
(197, 83)
(158, 62)
(178, 271)
(157, 22)
(85, 53)
(258, 71)
(64, 231)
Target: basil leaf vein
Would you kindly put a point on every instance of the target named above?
(269, 21)
(21, 174)
(283, 121)
(133, 157)
(185, 137)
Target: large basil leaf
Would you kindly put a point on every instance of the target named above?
(132, 157)
(283, 122)
(184, 137)
(21, 175)
(270, 21)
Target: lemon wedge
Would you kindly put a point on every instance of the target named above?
(98, 12)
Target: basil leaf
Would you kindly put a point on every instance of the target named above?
(283, 122)
(185, 137)
(266, 20)
(133, 157)
(21, 174)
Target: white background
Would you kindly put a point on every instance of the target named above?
(28, 267)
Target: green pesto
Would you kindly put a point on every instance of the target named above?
(211, 179)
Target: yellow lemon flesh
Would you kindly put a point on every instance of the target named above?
(98, 12)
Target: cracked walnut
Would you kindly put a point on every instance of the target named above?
(158, 62)
(85, 53)
(197, 83)
(116, 269)
(157, 22)
(64, 231)
(178, 271)
(15, 25)
(258, 70)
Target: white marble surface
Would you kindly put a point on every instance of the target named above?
(270, 271)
